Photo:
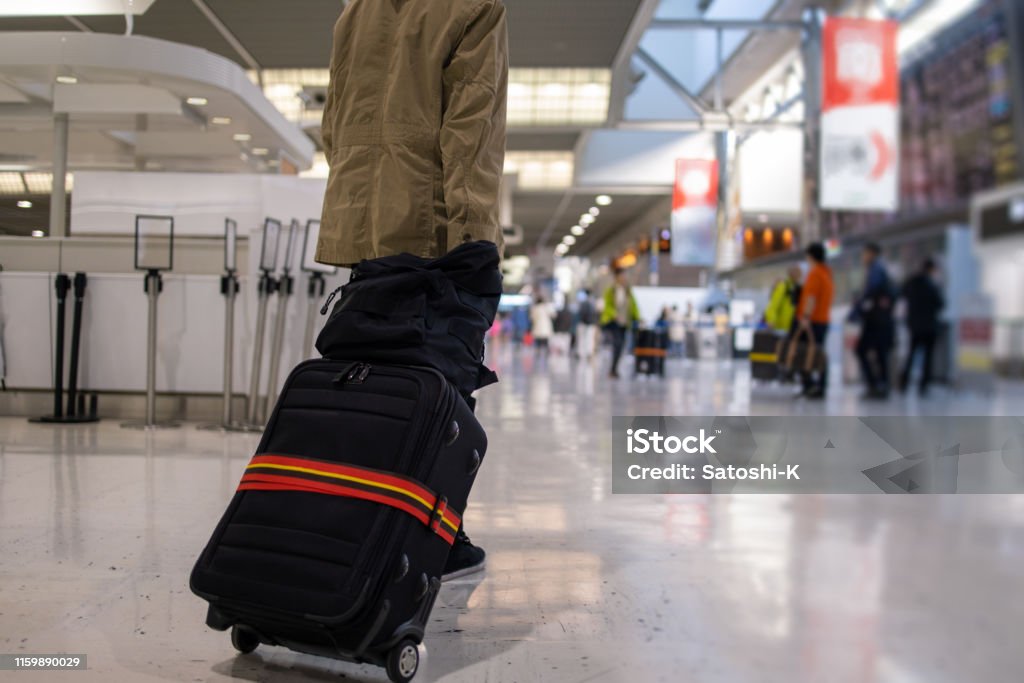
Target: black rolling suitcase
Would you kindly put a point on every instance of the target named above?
(650, 351)
(765, 356)
(336, 538)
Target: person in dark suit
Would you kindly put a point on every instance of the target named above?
(924, 303)
(874, 311)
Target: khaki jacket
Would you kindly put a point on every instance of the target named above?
(414, 128)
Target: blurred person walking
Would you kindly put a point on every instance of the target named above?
(813, 315)
(586, 327)
(780, 315)
(561, 340)
(676, 332)
(542, 316)
(874, 311)
(924, 304)
(619, 314)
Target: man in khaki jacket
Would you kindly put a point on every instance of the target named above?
(414, 133)
(414, 128)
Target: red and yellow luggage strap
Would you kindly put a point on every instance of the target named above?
(268, 472)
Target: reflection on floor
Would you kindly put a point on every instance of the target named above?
(100, 527)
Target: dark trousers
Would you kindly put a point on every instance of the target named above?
(817, 380)
(925, 343)
(873, 355)
(617, 334)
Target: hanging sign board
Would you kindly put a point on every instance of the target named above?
(694, 212)
(860, 115)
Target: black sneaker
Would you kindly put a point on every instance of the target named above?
(464, 558)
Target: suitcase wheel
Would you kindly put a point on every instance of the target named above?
(403, 661)
(244, 640)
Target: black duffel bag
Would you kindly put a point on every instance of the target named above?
(409, 310)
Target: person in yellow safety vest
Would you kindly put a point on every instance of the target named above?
(619, 314)
(782, 305)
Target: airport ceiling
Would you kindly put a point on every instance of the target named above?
(283, 34)
(286, 34)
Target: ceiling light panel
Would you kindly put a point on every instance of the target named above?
(536, 97)
(42, 183)
(288, 90)
(552, 97)
(540, 170)
(11, 184)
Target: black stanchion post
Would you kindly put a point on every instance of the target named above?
(62, 284)
(76, 338)
(154, 253)
(284, 289)
(267, 287)
(75, 412)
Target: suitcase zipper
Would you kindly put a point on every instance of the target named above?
(330, 298)
(358, 373)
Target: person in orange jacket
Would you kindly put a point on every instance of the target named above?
(813, 313)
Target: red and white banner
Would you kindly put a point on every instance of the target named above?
(695, 212)
(860, 115)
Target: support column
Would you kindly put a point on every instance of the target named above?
(58, 193)
(811, 52)
(726, 257)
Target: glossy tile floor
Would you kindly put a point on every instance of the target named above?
(99, 527)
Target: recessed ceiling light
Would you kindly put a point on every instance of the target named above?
(594, 211)
(242, 137)
(577, 230)
(198, 101)
(24, 204)
(221, 120)
(561, 249)
(569, 239)
(586, 219)
(603, 200)
(260, 151)
(38, 233)
(67, 80)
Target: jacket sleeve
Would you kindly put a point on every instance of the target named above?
(472, 133)
(327, 122)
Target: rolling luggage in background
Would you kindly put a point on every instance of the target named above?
(335, 541)
(650, 351)
(764, 356)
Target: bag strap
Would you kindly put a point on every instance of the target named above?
(812, 346)
(269, 472)
(791, 351)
